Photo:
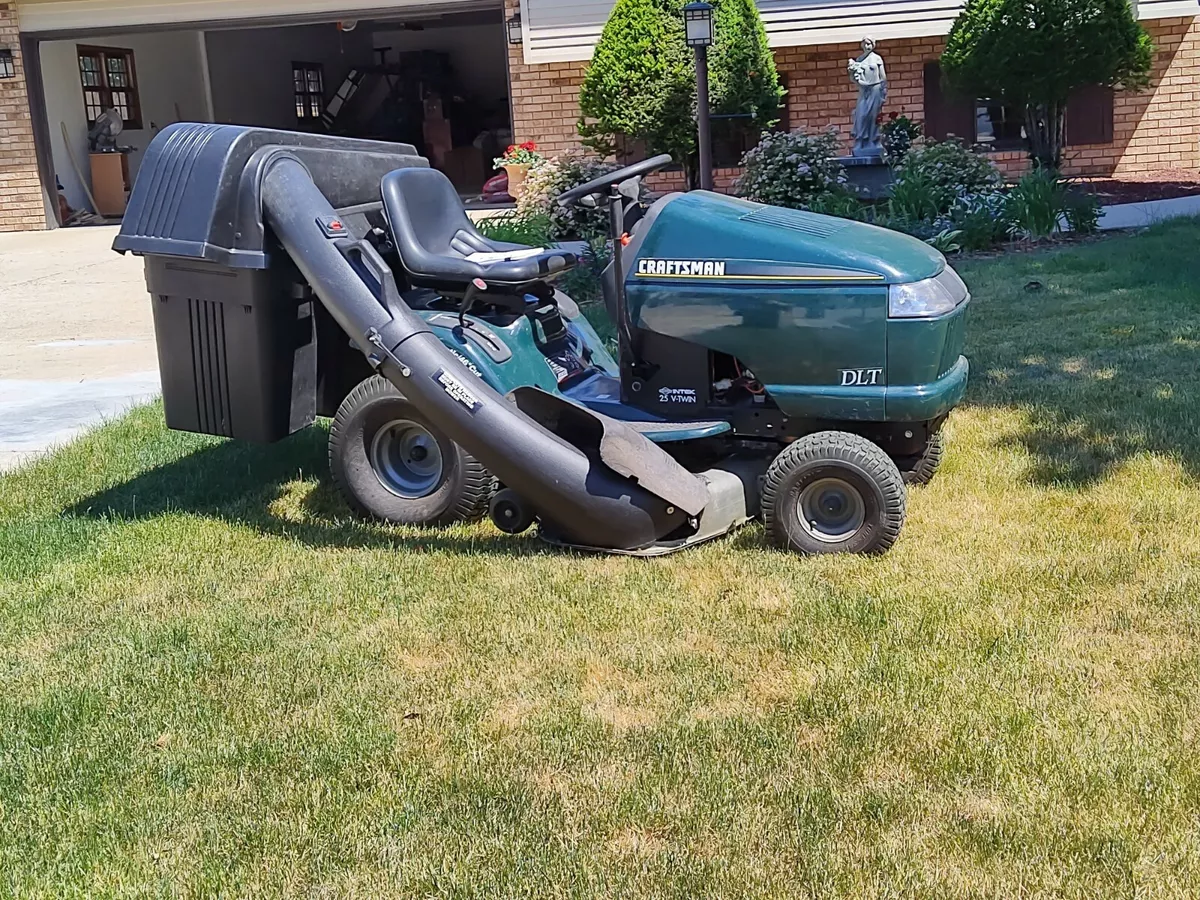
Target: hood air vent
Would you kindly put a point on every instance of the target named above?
(795, 219)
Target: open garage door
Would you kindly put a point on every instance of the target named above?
(74, 16)
(432, 76)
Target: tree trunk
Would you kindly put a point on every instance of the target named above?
(1045, 129)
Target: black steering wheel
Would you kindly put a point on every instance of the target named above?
(601, 184)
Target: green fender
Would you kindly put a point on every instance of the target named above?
(527, 365)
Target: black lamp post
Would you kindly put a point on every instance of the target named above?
(698, 29)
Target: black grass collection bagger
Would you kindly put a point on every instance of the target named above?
(770, 363)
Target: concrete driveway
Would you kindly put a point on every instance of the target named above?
(76, 337)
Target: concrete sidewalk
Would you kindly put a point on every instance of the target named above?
(76, 337)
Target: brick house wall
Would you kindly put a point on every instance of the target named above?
(1155, 129)
(544, 98)
(21, 206)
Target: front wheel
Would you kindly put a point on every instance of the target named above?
(391, 463)
(833, 492)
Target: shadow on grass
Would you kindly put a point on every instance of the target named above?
(1098, 346)
(240, 483)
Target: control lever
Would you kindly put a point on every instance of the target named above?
(476, 287)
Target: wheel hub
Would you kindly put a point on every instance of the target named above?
(406, 459)
(831, 510)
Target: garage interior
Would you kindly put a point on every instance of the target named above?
(437, 81)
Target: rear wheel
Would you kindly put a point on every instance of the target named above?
(391, 463)
(920, 469)
(833, 492)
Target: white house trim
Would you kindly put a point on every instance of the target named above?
(565, 30)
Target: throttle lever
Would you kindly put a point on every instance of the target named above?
(474, 288)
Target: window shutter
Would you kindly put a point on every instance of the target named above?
(946, 114)
(1090, 116)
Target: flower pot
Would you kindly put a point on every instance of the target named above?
(516, 178)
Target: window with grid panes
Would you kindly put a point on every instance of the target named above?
(308, 84)
(109, 79)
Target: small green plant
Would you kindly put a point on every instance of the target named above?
(1082, 212)
(791, 168)
(916, 196)
(584, 283)
(513, 228)
(981, 219)
(946, 241)
(1036, 204)
(898, 134)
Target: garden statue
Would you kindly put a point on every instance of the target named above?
(868, 73)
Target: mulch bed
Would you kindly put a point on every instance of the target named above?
(1161, 184)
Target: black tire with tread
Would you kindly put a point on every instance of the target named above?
(463, 494)
(841, 455)
(920, 469)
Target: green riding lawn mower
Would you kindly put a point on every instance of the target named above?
(770, 363)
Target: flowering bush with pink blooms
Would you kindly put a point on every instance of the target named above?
(792, 168)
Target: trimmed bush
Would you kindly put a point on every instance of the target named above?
(1032, 54)
(641, 84)
(792, 169)
(742, 74)
(944, 171)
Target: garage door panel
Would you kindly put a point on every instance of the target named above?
(48, 16)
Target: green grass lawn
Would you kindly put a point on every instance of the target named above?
(214, 681)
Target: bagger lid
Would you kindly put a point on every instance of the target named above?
(197, 189)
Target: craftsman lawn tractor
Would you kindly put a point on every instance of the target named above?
(770, 363)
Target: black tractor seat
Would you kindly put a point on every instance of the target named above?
(434, 238)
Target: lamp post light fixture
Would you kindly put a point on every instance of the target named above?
(514, 29)
(697, 20)
(698, 31)
(8, 68)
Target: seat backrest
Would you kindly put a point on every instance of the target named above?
(427, 218)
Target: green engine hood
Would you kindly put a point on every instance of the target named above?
(701, 226)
